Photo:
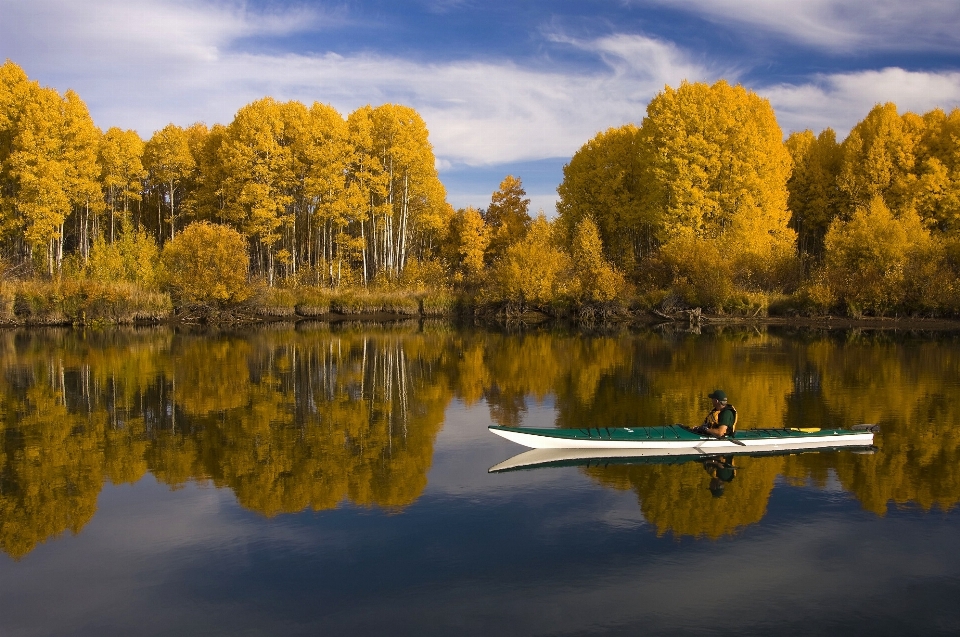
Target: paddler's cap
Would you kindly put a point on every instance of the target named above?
(718, 395)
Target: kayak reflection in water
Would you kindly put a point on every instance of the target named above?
(721, 470)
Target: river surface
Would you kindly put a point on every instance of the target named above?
(333, 480)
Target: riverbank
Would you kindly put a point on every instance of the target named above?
(31, 303)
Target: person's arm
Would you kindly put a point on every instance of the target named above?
(719, 431)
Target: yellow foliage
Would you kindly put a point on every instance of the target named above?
(814, 198)
(169, 163)
(507, 216)
(701, 270)
(206, 264)
(596, 280)
(715, 164)
(533, 272)
(134, 258)
(468, 240)
(602, 181)
(121, 172)
(879, 157)
(867, 257)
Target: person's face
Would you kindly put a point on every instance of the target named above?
(716, 403)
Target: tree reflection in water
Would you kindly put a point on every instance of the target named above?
(308, 417)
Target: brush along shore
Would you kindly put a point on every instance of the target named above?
(26, 303)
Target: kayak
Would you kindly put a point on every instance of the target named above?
(539, 458)
(677, 437)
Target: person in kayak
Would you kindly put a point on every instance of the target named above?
(722, 419)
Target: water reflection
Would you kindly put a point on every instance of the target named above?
(296, 418)
(680, 492)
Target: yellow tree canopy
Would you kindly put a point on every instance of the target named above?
(468, 241)
(169, 165)
(602, 181)
(879, 159)
(121, 170)
(814, 195)
(868, 257)
(206, 264)
(257, 160)
(714, 162)
(937, 195)
(507, 216)
(596, 280)
(532, 272)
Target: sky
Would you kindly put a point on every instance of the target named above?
(505, 86)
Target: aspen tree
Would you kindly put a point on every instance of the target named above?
(714, 162)
(937, 196)
(258, 163)
(367, 185)
(715, 170)
(814, 198)
(207, 198)
(81, 140)
(602, 181)
(533, 270)
(169, 165)
(596, 280)
(325, 156)
(879, 159)
(469, 238)
(54, 165)
(415, 212)
(121, 174)
(867, 256)
(16, 92)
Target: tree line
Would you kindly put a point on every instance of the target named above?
(704, 203)
(312, 193)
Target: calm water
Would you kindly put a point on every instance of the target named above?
(318, 480)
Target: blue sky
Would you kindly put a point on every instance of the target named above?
(506, 87)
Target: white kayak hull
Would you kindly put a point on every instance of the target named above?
(537, 439)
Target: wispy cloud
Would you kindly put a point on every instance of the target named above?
(85, 36)
(840, 25)
(840, 101)
(143, 63)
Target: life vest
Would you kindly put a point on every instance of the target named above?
(713, 420)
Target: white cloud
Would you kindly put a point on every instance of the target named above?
(842, 25)
(840, 101)
(144, 63)
(98, 35)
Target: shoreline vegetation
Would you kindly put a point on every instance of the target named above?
(701, 214)
(52, 304)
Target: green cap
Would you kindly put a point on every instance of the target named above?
(718, 395)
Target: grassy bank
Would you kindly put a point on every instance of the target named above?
(69, 302)
(86, 302)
